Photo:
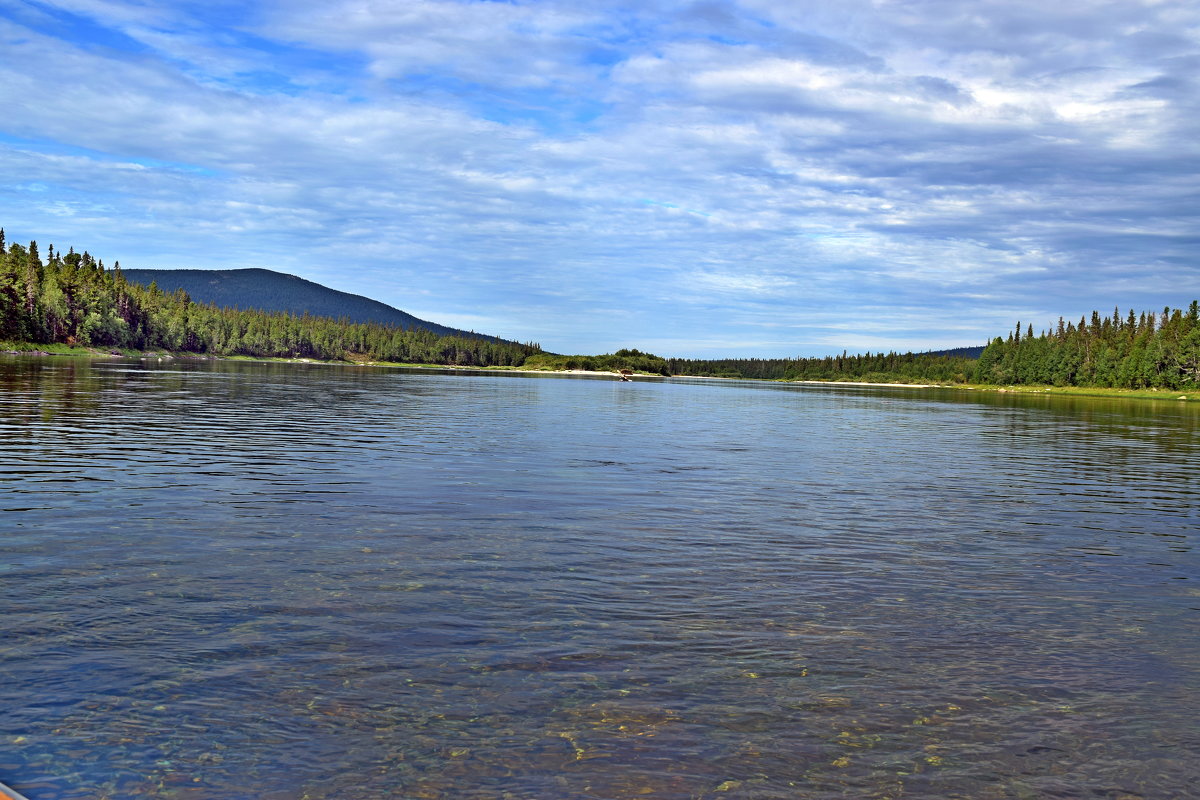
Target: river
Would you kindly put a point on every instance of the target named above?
(295, 582)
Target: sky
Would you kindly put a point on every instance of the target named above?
(705, 179)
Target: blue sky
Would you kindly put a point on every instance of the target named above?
(691, 178)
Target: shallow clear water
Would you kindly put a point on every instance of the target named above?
(287, 581)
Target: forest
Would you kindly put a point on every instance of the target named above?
(1135, 351)
(869, 367)
(71, 298)
(631, 359)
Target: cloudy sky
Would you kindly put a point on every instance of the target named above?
(692, 178)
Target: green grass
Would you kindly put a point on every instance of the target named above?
(103, 352)
(55, 349)
(59, 349)
(1190, 395)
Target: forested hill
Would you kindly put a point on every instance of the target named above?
(71, 299)
(957, 352)
(267, 290)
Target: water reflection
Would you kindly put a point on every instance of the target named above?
(283, 581)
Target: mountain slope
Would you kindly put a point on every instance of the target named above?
(267, 290)
(959, 352)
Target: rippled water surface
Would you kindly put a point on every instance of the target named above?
(300, 582)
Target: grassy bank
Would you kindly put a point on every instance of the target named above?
(59, 349)
(27, 348)
(351, 359)
(569, 364)
(1180, 395)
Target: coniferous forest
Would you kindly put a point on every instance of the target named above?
(870, 367)
(1146, 351)
(71, 298)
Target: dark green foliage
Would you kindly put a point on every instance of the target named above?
(634, 360)
(877, 367)
(72, 299)
(1143, 351)
(266, 290)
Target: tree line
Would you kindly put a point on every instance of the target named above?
(1134, 351)
(71, 298)
(630, 359)
(868, 367)
(1137, 351)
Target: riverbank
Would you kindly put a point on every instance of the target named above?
(80, 351)
(1178, 395)
(22, 348)
(1181, 395)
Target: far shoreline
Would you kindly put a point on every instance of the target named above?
(78, 351)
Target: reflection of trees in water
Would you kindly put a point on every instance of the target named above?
(40, 389)
(1122, 438)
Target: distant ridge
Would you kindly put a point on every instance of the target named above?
(267, 290)
(960, 352)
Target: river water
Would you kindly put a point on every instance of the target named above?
(293, 582)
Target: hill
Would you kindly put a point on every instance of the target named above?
(958, 352)
(267, 290)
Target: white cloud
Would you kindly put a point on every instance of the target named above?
(550, 168)
(738, 283)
